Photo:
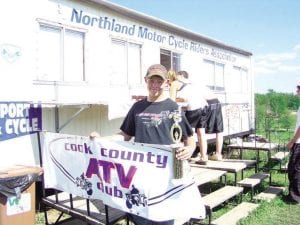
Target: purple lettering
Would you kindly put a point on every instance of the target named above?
(113, 153)
(67, 146)
(161, 161)
(126, 157)
(107, 166)
(87, 149)
(78, 148)
(149, 156)
(118, 193)
(93, 169)
(73, 147)
(137, 155)
(125, 180)
(103, 152)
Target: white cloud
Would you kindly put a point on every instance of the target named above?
(297, 47)
(266, 63)
(286, 68)
(284, 56)
(263, 70)
(274, 63)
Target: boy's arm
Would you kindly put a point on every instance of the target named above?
(173, 91)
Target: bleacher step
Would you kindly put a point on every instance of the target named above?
(96, 214)
(221, 195)
(253, 180)
(279, 156)
(269, 194)
(285, 166)
(235, 214)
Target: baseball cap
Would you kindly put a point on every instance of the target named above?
(158, 70)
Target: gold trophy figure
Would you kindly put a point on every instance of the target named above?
(176, 134)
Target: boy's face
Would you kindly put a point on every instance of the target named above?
(155, 85)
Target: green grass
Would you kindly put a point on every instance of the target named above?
(52, 217)
(276, 212)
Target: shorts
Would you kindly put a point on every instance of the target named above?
(214, 117)
(197, 118)
(294, 173)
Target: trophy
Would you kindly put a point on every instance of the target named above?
(176, 135)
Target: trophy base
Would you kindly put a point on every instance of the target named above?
(179, 166)
(184, 173)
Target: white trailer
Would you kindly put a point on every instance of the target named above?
(85, 60)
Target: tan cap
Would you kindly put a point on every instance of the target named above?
(158, 70)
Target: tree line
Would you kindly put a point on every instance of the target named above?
(275, 110)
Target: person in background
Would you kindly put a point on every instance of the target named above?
(294, 161)
(172, 76)
(182, 90)
(215, 123)
(148, 121)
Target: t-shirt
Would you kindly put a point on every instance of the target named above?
(193, 95)
(150, 122)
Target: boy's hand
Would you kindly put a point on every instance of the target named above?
(183, 153)
(94, 135)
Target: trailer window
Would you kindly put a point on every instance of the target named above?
(238, 80)
(170, 60)
(61, 54)
(126, 67)
(214, 75)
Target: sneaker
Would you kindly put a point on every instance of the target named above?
(216, 157)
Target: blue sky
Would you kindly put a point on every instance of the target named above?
(270, 29)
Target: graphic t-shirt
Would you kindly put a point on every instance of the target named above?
(151, 122)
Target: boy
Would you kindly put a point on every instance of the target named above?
(294, 162)
(148, 121)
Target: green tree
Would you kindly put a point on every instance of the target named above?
(275, 110)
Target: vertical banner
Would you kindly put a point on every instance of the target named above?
(133, 177)
(19, 119)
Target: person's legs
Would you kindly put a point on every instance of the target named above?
(294, 174)
(197, 118)
(202, 142)
(218, 128)
(219, 144)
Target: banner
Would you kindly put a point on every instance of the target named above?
(133, 177)
(19, 119)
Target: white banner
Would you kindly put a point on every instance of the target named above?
(132, 177)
